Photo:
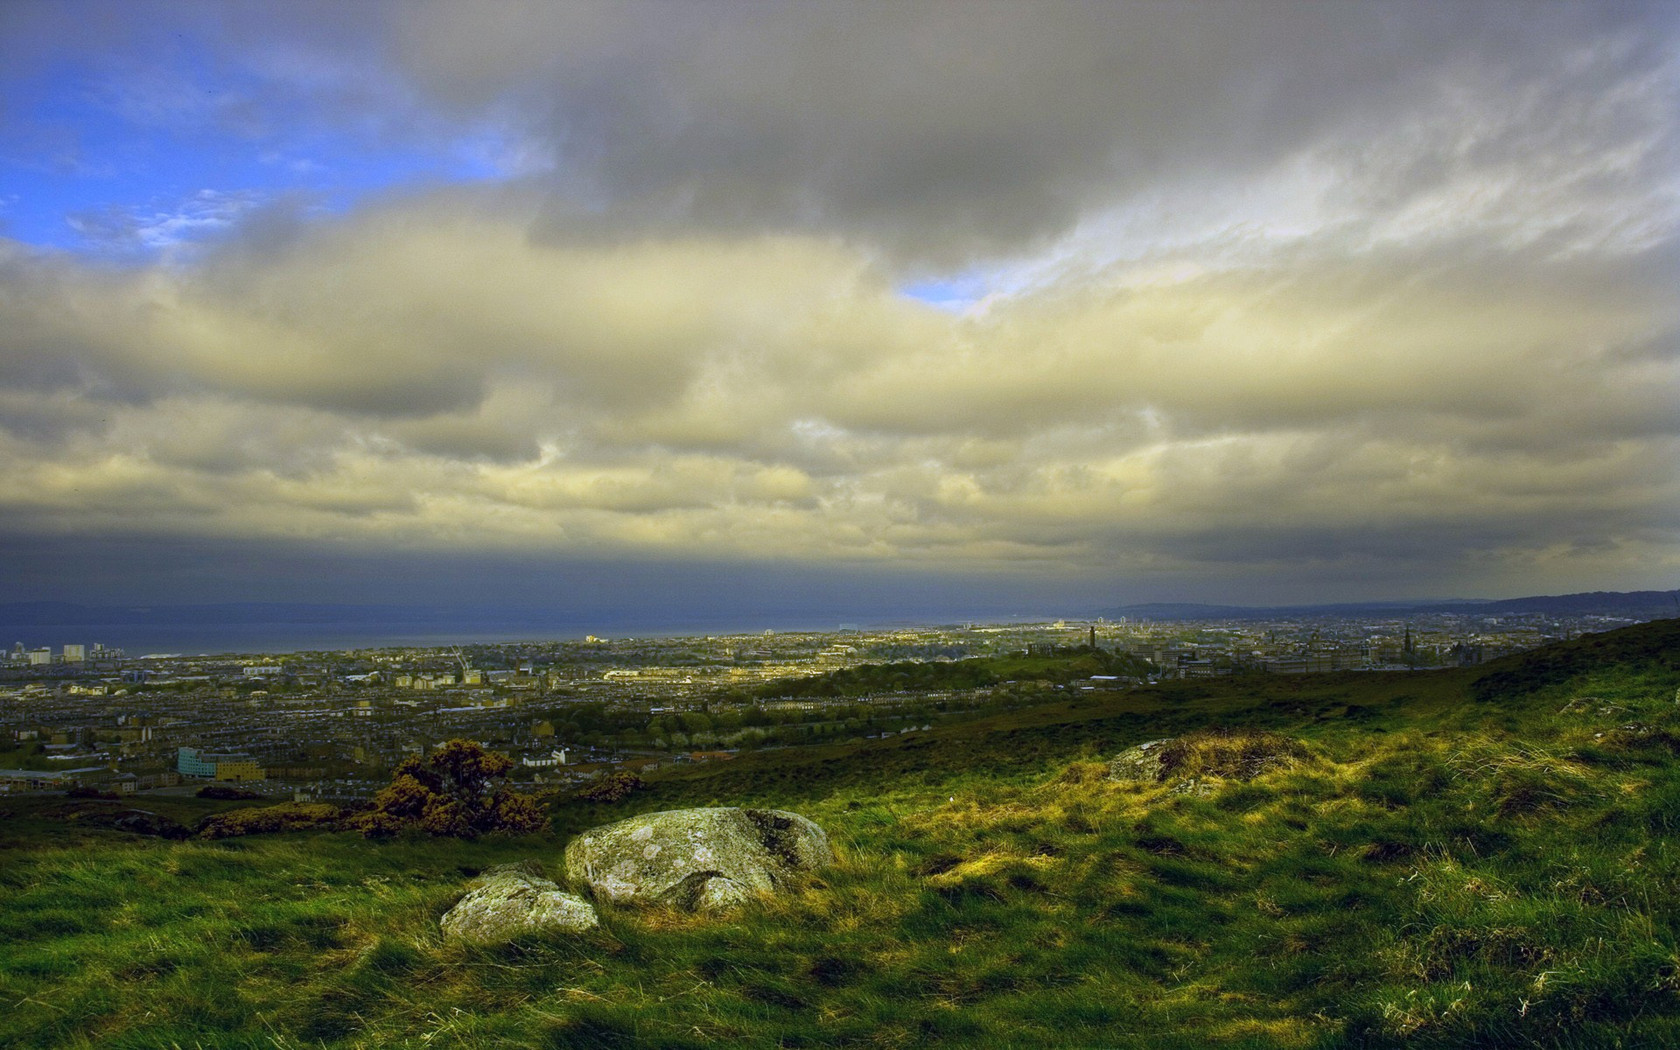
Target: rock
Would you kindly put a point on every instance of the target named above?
(145, 822)
(704, 860)
(1141, 762)
(133, 821)
(719, 894)
(1188, 760)
(513, 899)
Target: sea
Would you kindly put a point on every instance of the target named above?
(241, 632)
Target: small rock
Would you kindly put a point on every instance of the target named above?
(1195, 757)
(513, 899)
(1141, 762)
(719, 894)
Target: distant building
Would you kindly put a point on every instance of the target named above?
(189, 763)
(32, 780)
(193, 763)
(39, 657)
(235, 768)
(1203, 669)
(1467, 655)
(75, 654)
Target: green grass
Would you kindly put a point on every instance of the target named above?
(1449, 864)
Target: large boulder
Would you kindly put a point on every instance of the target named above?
(704, 860)
(513, 899)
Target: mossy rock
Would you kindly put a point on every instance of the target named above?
(1194, 757)
(514, 899)
(705, 860)
(1140, 763)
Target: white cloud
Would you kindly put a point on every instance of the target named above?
(206, 214)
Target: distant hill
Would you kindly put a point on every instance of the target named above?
(1634, 605)
(1653, 605)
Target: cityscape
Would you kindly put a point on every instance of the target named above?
(332, 725)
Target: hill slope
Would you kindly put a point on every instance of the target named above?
(1478, 857)
(1642, 605)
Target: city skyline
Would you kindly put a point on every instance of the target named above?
(1004, 308)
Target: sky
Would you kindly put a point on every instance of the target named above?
(933, 306)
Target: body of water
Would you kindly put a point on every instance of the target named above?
(193, 639)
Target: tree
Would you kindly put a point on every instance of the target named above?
(458, 790)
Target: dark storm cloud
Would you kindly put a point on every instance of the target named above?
(942, 129)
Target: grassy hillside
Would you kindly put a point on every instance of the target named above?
(1480, 857)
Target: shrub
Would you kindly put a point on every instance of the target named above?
(616, 786)
(458, 791)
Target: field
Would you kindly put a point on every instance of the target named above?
(1482, 857)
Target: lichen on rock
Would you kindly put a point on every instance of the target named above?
(705, 860)
(513, 899)
(1141, 762)
(1195, 757)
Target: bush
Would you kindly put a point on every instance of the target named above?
(458, 790)
(616, 786)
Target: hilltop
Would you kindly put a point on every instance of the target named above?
(1470, 857)
(1632, 605)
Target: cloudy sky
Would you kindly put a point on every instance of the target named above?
(930, 304)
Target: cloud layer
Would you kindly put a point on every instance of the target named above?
(1260, 299)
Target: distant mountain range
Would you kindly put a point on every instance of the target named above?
(1634, 605)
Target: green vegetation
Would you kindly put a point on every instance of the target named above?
(1468, 858)
(27, 756)
(1062, 666)
(459, 790)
